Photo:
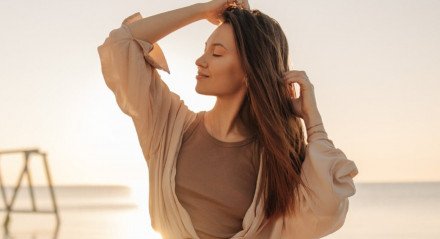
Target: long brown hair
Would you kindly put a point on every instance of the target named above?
(267, 108)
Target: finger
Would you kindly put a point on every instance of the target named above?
(246, 4)
(295, 79)
(291, 91)
(236, 3)
(300, 75)
(230, 3)
(293, 72)
(293, 75)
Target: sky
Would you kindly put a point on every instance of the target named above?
(375, 66)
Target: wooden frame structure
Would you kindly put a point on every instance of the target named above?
(26, 171)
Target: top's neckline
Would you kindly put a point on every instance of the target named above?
(223, 143)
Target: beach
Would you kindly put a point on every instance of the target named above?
(378, 210)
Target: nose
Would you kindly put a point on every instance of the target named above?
(201, 62)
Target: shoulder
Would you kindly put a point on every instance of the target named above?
(193, 125)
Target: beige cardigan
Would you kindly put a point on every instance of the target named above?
(161, 117)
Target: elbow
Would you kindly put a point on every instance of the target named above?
(331, 207)
(332, 221)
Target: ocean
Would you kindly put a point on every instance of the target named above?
(377, 210)
(393, 211)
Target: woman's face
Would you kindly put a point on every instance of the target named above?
(219, 68)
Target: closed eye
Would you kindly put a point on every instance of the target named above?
(216, 55)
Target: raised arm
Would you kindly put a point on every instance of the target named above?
(130, 58)
(329, 174)
(154, 28)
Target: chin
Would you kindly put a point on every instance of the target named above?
(204, 92)
(198, 90)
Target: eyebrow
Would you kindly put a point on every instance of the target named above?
(216, 44)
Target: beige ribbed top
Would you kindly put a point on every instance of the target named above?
(215, 180)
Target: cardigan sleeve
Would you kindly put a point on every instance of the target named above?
(129, 67)
(329, 174)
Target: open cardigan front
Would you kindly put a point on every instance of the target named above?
(129, 67)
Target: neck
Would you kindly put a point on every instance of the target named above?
(223, 121)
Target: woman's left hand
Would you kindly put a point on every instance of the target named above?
(305, 105)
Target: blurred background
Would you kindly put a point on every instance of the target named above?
(375, 66)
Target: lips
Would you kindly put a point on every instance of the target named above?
(202, 74)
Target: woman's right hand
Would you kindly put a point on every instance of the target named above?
(214, 9)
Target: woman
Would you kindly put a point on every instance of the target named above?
(242, 169)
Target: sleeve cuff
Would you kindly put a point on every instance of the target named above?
(153, 54)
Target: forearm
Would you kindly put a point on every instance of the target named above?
(314, 124)
(312, 119)
(154, 28)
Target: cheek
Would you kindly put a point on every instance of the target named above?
(227, 72)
